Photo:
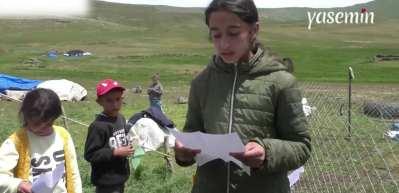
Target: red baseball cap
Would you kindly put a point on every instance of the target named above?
(104, 86)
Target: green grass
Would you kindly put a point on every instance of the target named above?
(130, 43)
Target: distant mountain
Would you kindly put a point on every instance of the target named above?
(387, 8)
(144, 15)
(384, 9)
(139, 14)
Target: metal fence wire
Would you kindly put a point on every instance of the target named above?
(351, 152)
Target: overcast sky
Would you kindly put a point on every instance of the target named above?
(259, 3)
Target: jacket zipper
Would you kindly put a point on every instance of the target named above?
(231, 120)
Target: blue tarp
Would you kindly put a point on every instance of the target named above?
(8, 82)
(52, 54)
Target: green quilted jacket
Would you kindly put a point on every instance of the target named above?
(262, 103)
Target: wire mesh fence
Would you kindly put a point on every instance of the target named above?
(351, 151)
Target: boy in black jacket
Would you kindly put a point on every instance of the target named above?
(107, 146)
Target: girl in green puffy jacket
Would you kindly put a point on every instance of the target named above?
(245, 89)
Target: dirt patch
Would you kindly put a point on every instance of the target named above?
(359, 42)
(381, 57)
(189, 72)
(2, 51)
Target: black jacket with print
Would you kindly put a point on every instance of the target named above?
(105, 134)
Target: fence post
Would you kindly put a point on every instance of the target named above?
(351, 77)
(64, 117)
(168, 160)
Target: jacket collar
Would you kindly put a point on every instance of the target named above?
(243, 67)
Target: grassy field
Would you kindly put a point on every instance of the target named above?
(130, 43)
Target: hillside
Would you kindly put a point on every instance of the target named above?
(384, 9)
(121, 35)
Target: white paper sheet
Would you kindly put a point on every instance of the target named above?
(47, 181)
(295, 175)
(213, 146)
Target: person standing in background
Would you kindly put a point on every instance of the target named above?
(155, 92)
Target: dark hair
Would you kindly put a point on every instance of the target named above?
(40, 105)
(245, 9)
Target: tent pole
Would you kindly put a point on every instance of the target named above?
(64, 117)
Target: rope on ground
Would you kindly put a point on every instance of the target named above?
(62, 116)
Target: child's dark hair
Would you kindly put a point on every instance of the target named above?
(245, 9)
(40, 105)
